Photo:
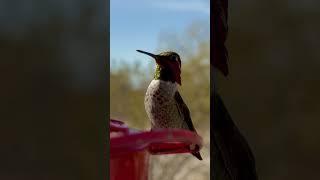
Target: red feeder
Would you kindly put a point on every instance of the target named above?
(130, 149)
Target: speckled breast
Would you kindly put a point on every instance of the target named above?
(161, 107)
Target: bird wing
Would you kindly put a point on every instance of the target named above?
(182, 107)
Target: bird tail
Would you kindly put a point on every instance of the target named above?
(197, 155)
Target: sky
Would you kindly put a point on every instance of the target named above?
(136, 24)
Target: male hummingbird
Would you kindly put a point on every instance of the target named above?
(163, 103)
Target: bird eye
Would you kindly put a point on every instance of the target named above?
(174, 58)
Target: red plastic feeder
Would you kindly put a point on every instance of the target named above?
(130, 149)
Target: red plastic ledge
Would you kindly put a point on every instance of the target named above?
(161, 141)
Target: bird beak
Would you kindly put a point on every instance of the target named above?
(150, 54)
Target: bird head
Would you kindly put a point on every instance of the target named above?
(168, 65)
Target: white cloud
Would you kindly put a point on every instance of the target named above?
(196, 6)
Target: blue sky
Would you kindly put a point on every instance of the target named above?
(136, 24)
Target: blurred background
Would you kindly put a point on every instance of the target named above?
(54, 67)
(53, 92)
(181, 26)
(272, 92)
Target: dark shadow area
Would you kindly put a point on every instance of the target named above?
(54, 88)
(273, 86)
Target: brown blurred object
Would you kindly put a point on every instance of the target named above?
(273, 88)
(219, 31)
(232, 156)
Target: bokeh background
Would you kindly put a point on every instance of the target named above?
(53, 90)
(155, 26)
(273, 89)
(53, 74)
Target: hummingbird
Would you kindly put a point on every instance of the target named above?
(163, 103)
